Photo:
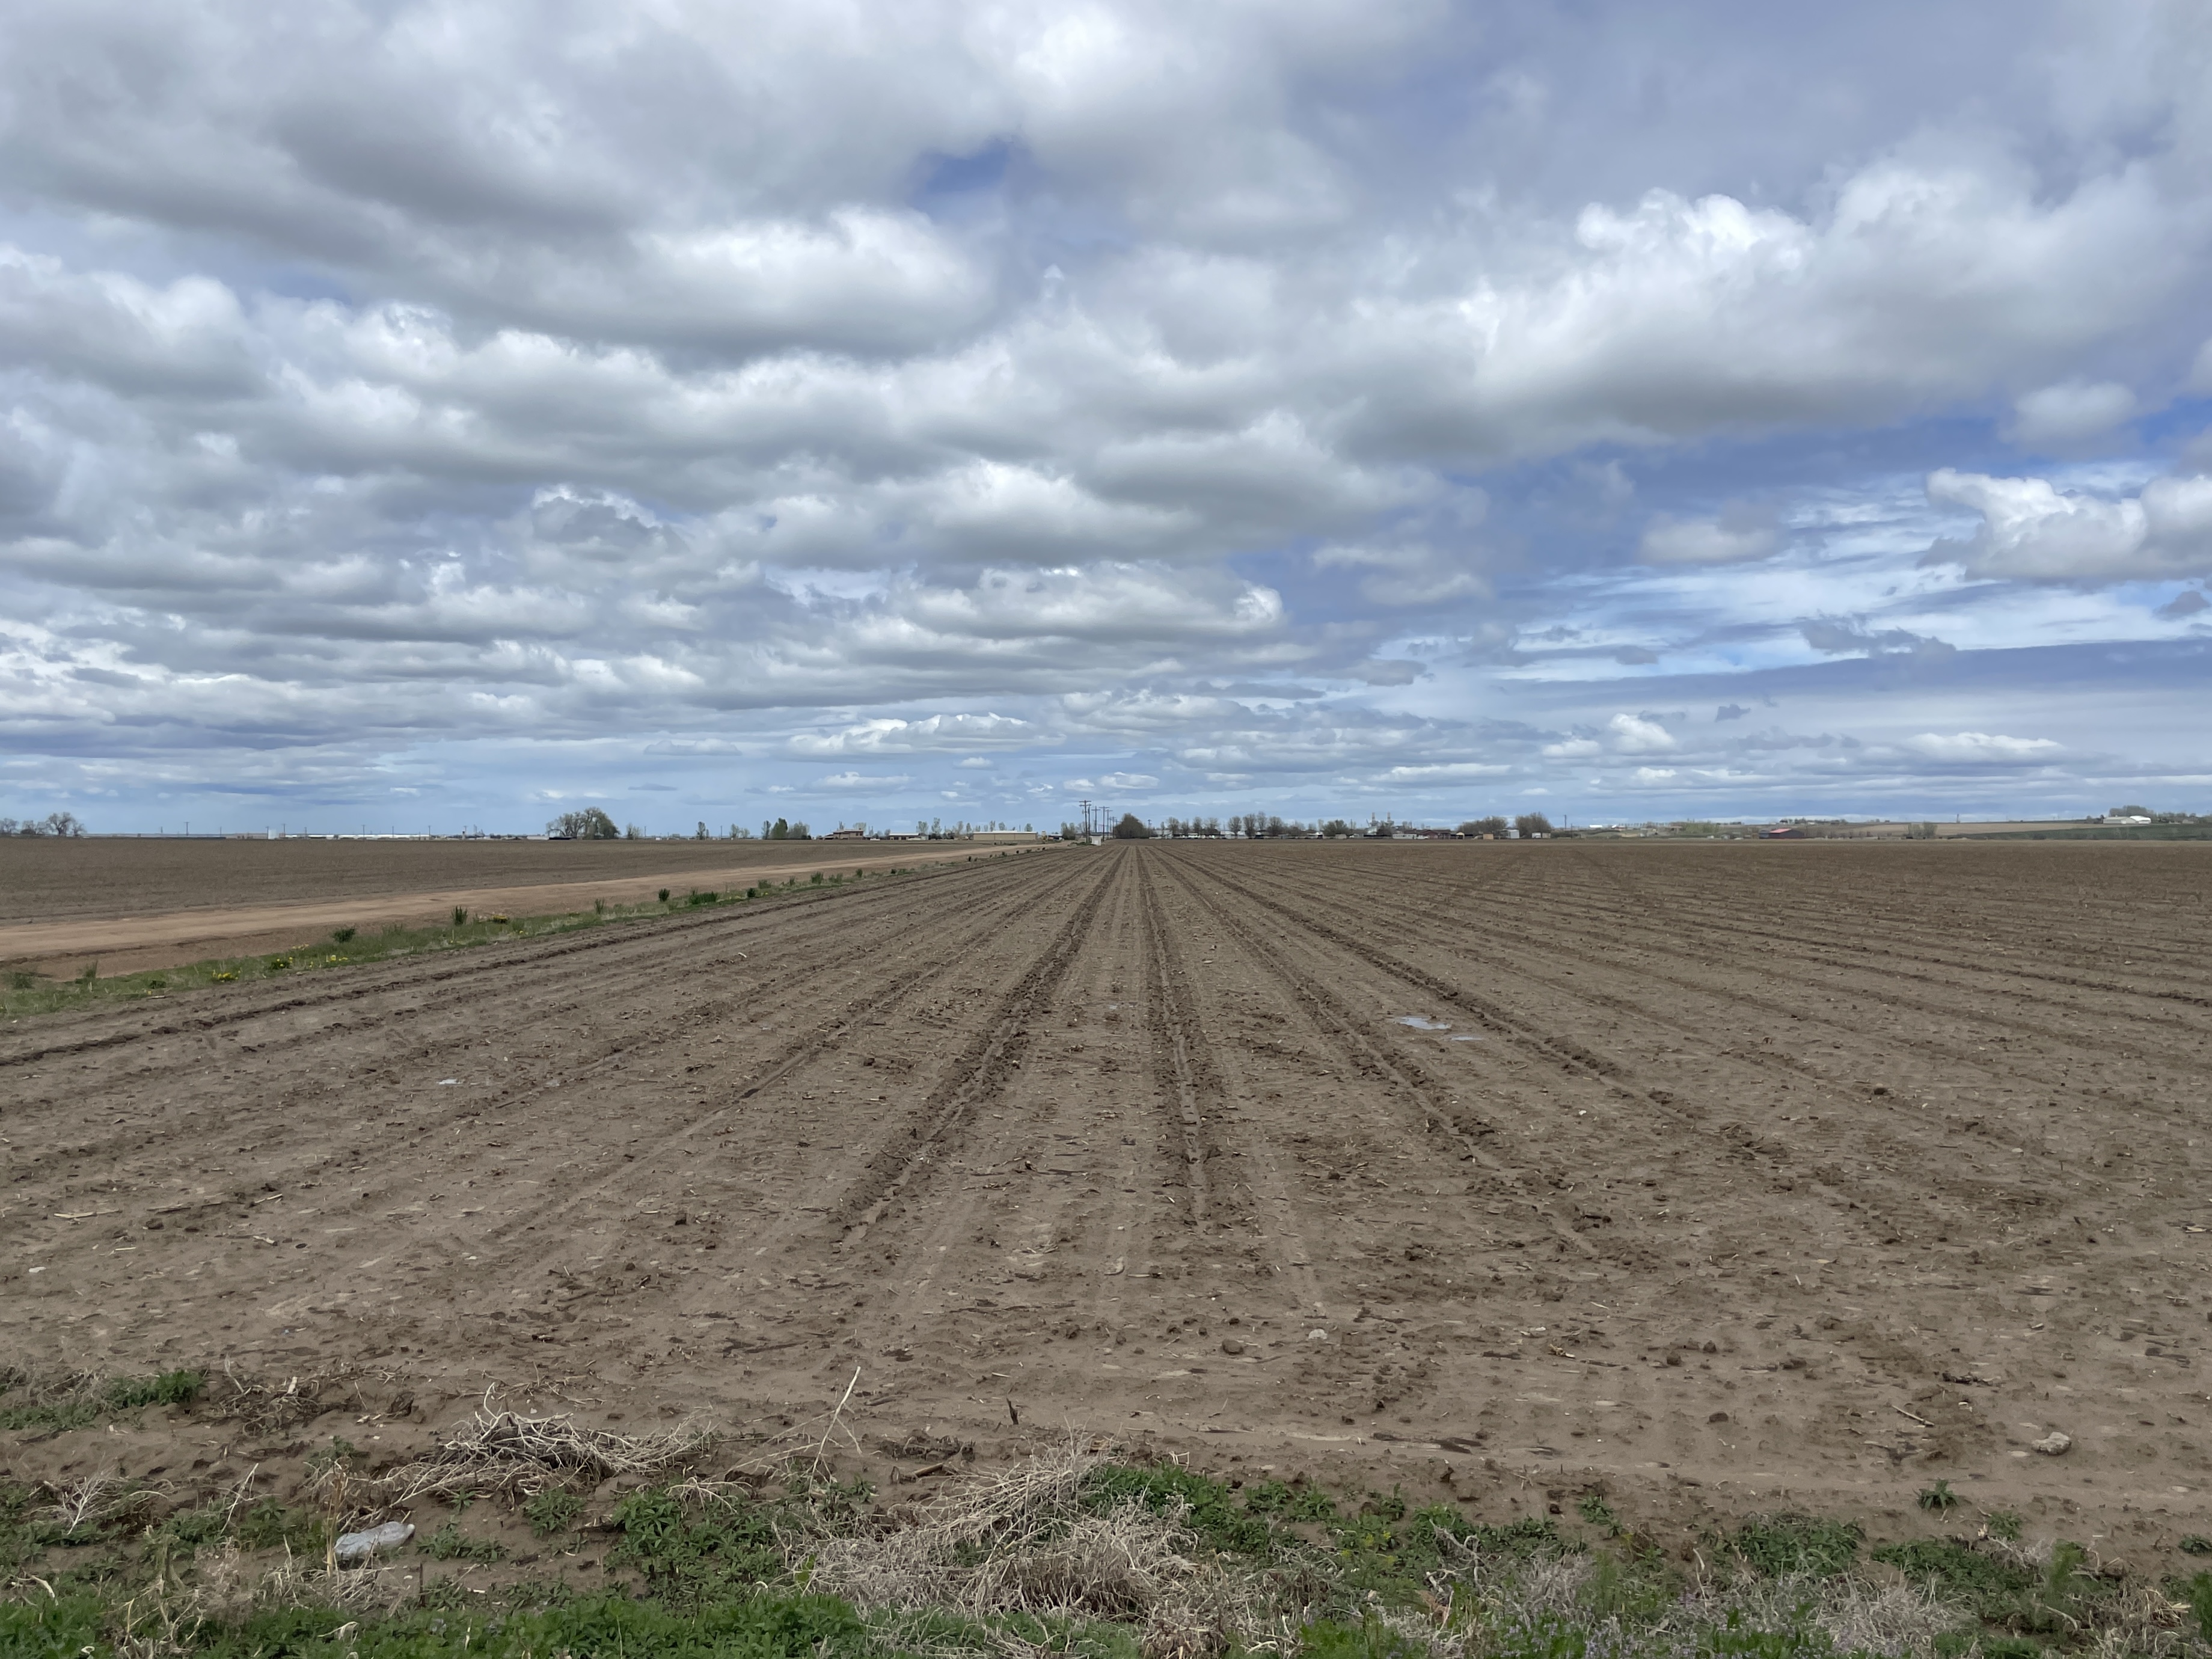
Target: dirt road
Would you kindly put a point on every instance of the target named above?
(1723, 1175)
(155, 904)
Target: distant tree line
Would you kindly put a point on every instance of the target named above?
(54, 824)
(1269, 826)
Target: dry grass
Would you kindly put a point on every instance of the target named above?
(266, 1407)
(500, 1451)
(164, 1618)
(1021, 1542)
(1568, 1592)
(95, 1499)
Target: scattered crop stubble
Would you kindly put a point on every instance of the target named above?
(1713, 1173)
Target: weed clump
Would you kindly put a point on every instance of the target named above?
(691, 1561)
(269, 1525)
(449, 1543)
(1794, 1545)
(1288, 1502)
(169, 1388)
(552, 1511)
(78, 1402)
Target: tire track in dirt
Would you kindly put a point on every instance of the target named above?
(1267, 1194)
(977, 1075)
(1403, 1078)
(1820, 903)
(1815, 906)
(1182, 1070)
(433, 1027)
(1629, 928)
(397, 1139)
(1869, 1210)
(1568, 1056)
(1725, 1325)
(878, 998)
(1865, 1117)
(493, 960)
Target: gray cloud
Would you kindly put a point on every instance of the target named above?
(1844, 636)
(881, 381)
(1738, 533)
(2186, 603)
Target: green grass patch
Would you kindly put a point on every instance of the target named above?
(784, 1626)
(268, 1525)
(1288, 1502)
(53, 1627)
(1214, 1514)
(449, 1543)
(1790, 1545)
(2058, 1601)
(79, 1404)
(698, 1555)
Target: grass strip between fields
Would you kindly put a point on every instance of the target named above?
(24, 994)
(525, 1547)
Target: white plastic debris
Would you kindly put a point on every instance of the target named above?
(354, 1547)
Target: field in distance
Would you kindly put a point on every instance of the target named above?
(47, 879)
(1726, 1176)
(123, 904)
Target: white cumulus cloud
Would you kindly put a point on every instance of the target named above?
(2033, 530)
(1633, 734)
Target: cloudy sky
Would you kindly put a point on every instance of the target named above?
(438, 414)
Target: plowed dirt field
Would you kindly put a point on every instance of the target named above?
(1720, 1177)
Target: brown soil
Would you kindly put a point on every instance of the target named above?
(1742, 1175)
(123, 906)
